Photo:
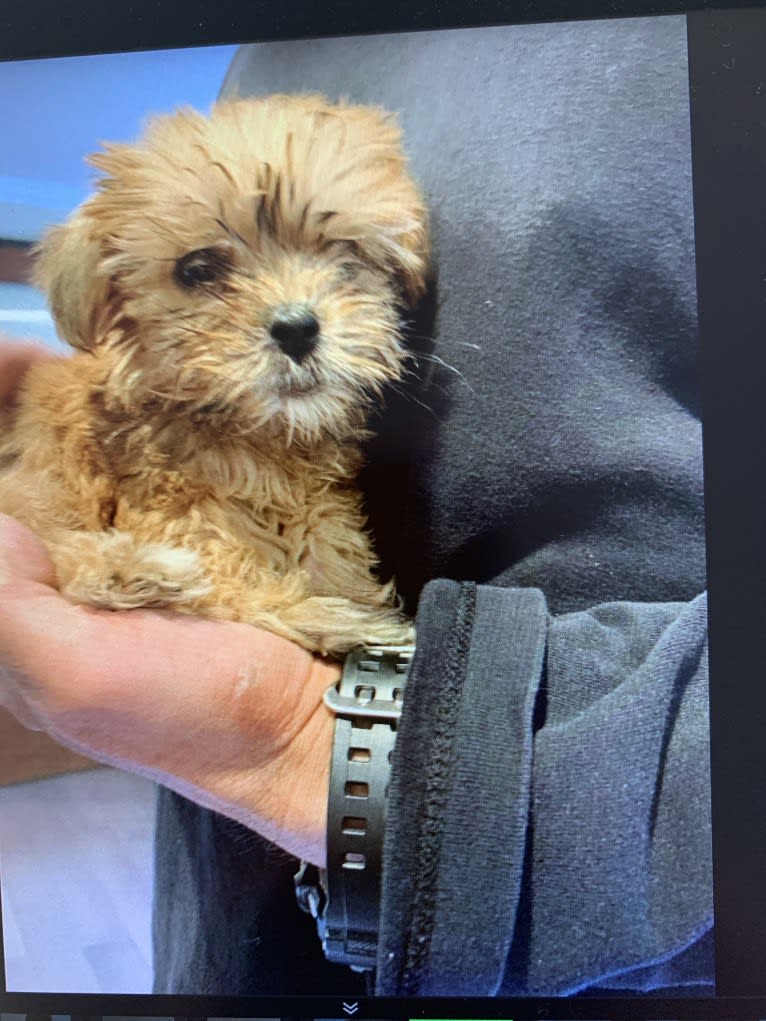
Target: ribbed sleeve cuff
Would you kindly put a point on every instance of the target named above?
(459, 796)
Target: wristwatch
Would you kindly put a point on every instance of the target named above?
(344, 898)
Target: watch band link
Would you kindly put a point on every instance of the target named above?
(346, 903)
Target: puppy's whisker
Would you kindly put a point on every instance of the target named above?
(436, 360)
(428, 357)
(428, 384)
(407, 395)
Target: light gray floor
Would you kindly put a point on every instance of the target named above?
(76, 882)
(75, 851)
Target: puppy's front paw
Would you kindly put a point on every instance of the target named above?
(393, 632)
(111, 571)
(333, 625)
(158, 576)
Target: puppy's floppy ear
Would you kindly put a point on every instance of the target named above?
(68, 260)
(384, 208)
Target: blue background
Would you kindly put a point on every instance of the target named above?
(55, 112)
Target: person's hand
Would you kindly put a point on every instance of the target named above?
(226, 714)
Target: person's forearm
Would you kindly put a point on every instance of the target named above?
(586, 735)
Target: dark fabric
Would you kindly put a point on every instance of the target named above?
(621, 799)
(547, 455)
(459, 803)
(219, 928)
(612, 797)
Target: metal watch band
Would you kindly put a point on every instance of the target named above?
(345, 897)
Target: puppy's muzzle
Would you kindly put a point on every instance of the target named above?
(296, 330)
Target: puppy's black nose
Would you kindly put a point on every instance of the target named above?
(296, 331)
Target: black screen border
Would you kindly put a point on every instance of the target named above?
(47, 28)
(727, 76)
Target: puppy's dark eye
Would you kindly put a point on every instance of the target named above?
(204, 266)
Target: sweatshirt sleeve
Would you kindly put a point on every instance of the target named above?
(549, 810)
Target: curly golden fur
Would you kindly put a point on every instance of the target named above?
(234, 291)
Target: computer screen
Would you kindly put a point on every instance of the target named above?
(412, 357)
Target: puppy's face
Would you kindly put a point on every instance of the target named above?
(254, 263)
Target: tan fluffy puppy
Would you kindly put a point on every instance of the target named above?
(234, 291)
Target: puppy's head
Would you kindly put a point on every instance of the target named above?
(255, 262)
